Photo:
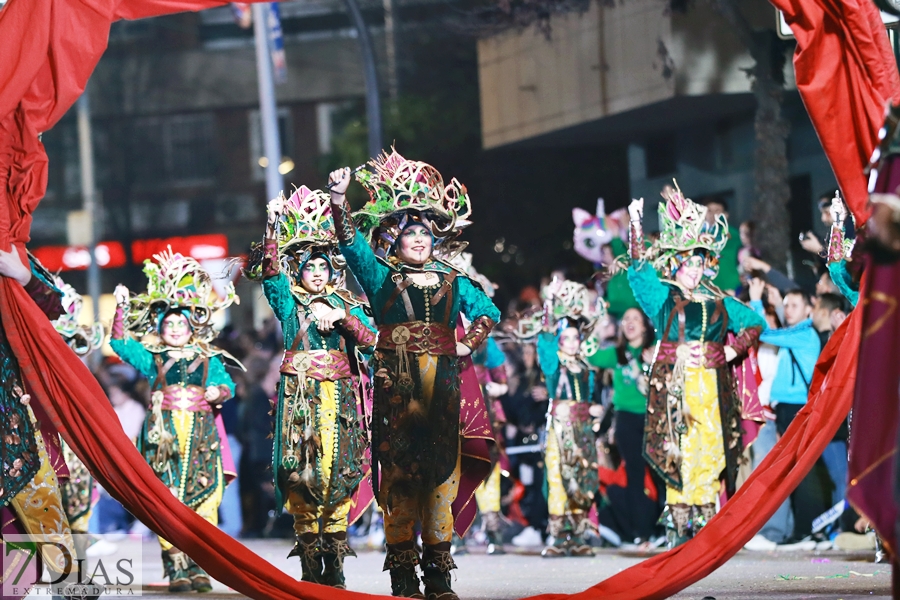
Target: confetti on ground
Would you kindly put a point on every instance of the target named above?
(790, 577)
(820, 561)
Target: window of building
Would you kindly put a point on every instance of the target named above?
(723, 144)
(661, 156)
(175, 149)
(257, 150)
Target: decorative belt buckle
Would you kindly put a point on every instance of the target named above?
(400, 335)
(301, 362)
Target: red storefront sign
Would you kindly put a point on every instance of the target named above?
(200, 247)
(111, 255)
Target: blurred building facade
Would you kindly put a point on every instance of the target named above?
(176, 129)
(669, 84)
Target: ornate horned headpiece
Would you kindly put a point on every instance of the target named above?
(306, 228)
(404, 192)
(83, 339)
(177, 283)
(521, 327)
(684, 231)
(571, 303)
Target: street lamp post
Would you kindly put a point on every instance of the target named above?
(267, 111)
(89, 204)
(373, 101)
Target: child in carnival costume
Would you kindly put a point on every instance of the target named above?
(78, 490)
(840, 252)
(692, 435)
(490, 367)
(319, 439)
(416, 301)
(31, 500)
(568, 318)
(166, 335)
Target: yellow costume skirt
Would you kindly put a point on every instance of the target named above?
(307, 514)
(702, 447)
(183, 420)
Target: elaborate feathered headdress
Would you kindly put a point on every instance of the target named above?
(82, 339)
(684, 230)
(572, 302)
(305, 228)
(403, 192)
(177, 282)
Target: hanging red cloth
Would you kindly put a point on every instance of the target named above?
(846, 73)
(876, 409)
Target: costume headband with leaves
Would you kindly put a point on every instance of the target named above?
(83, 339)
(571, 301)
(305, 228)
(177, 282)
(403, 192)
(683, 231)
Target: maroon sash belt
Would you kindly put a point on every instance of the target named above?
(184, 397)
(571, 411)
(706, 355)
(321, 365)
(418, 337)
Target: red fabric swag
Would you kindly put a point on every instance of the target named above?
(876, 406)
(846, 74)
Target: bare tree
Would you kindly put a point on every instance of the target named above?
(771, 170)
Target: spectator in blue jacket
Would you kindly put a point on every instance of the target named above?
(799, 346)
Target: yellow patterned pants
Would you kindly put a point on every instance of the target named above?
(40, 509)
(702, 447)
(557, 498)
(209, 508)
(435, 515)
(487, 495)
(307, 514)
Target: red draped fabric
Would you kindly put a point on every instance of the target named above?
(876, 410)
(844, 71)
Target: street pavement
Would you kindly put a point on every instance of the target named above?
(749, 575)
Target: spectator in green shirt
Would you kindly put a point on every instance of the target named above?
(728, 280)
(632, 513)
(618, 290)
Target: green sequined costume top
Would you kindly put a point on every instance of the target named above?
(194, 471)
(299, 408)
